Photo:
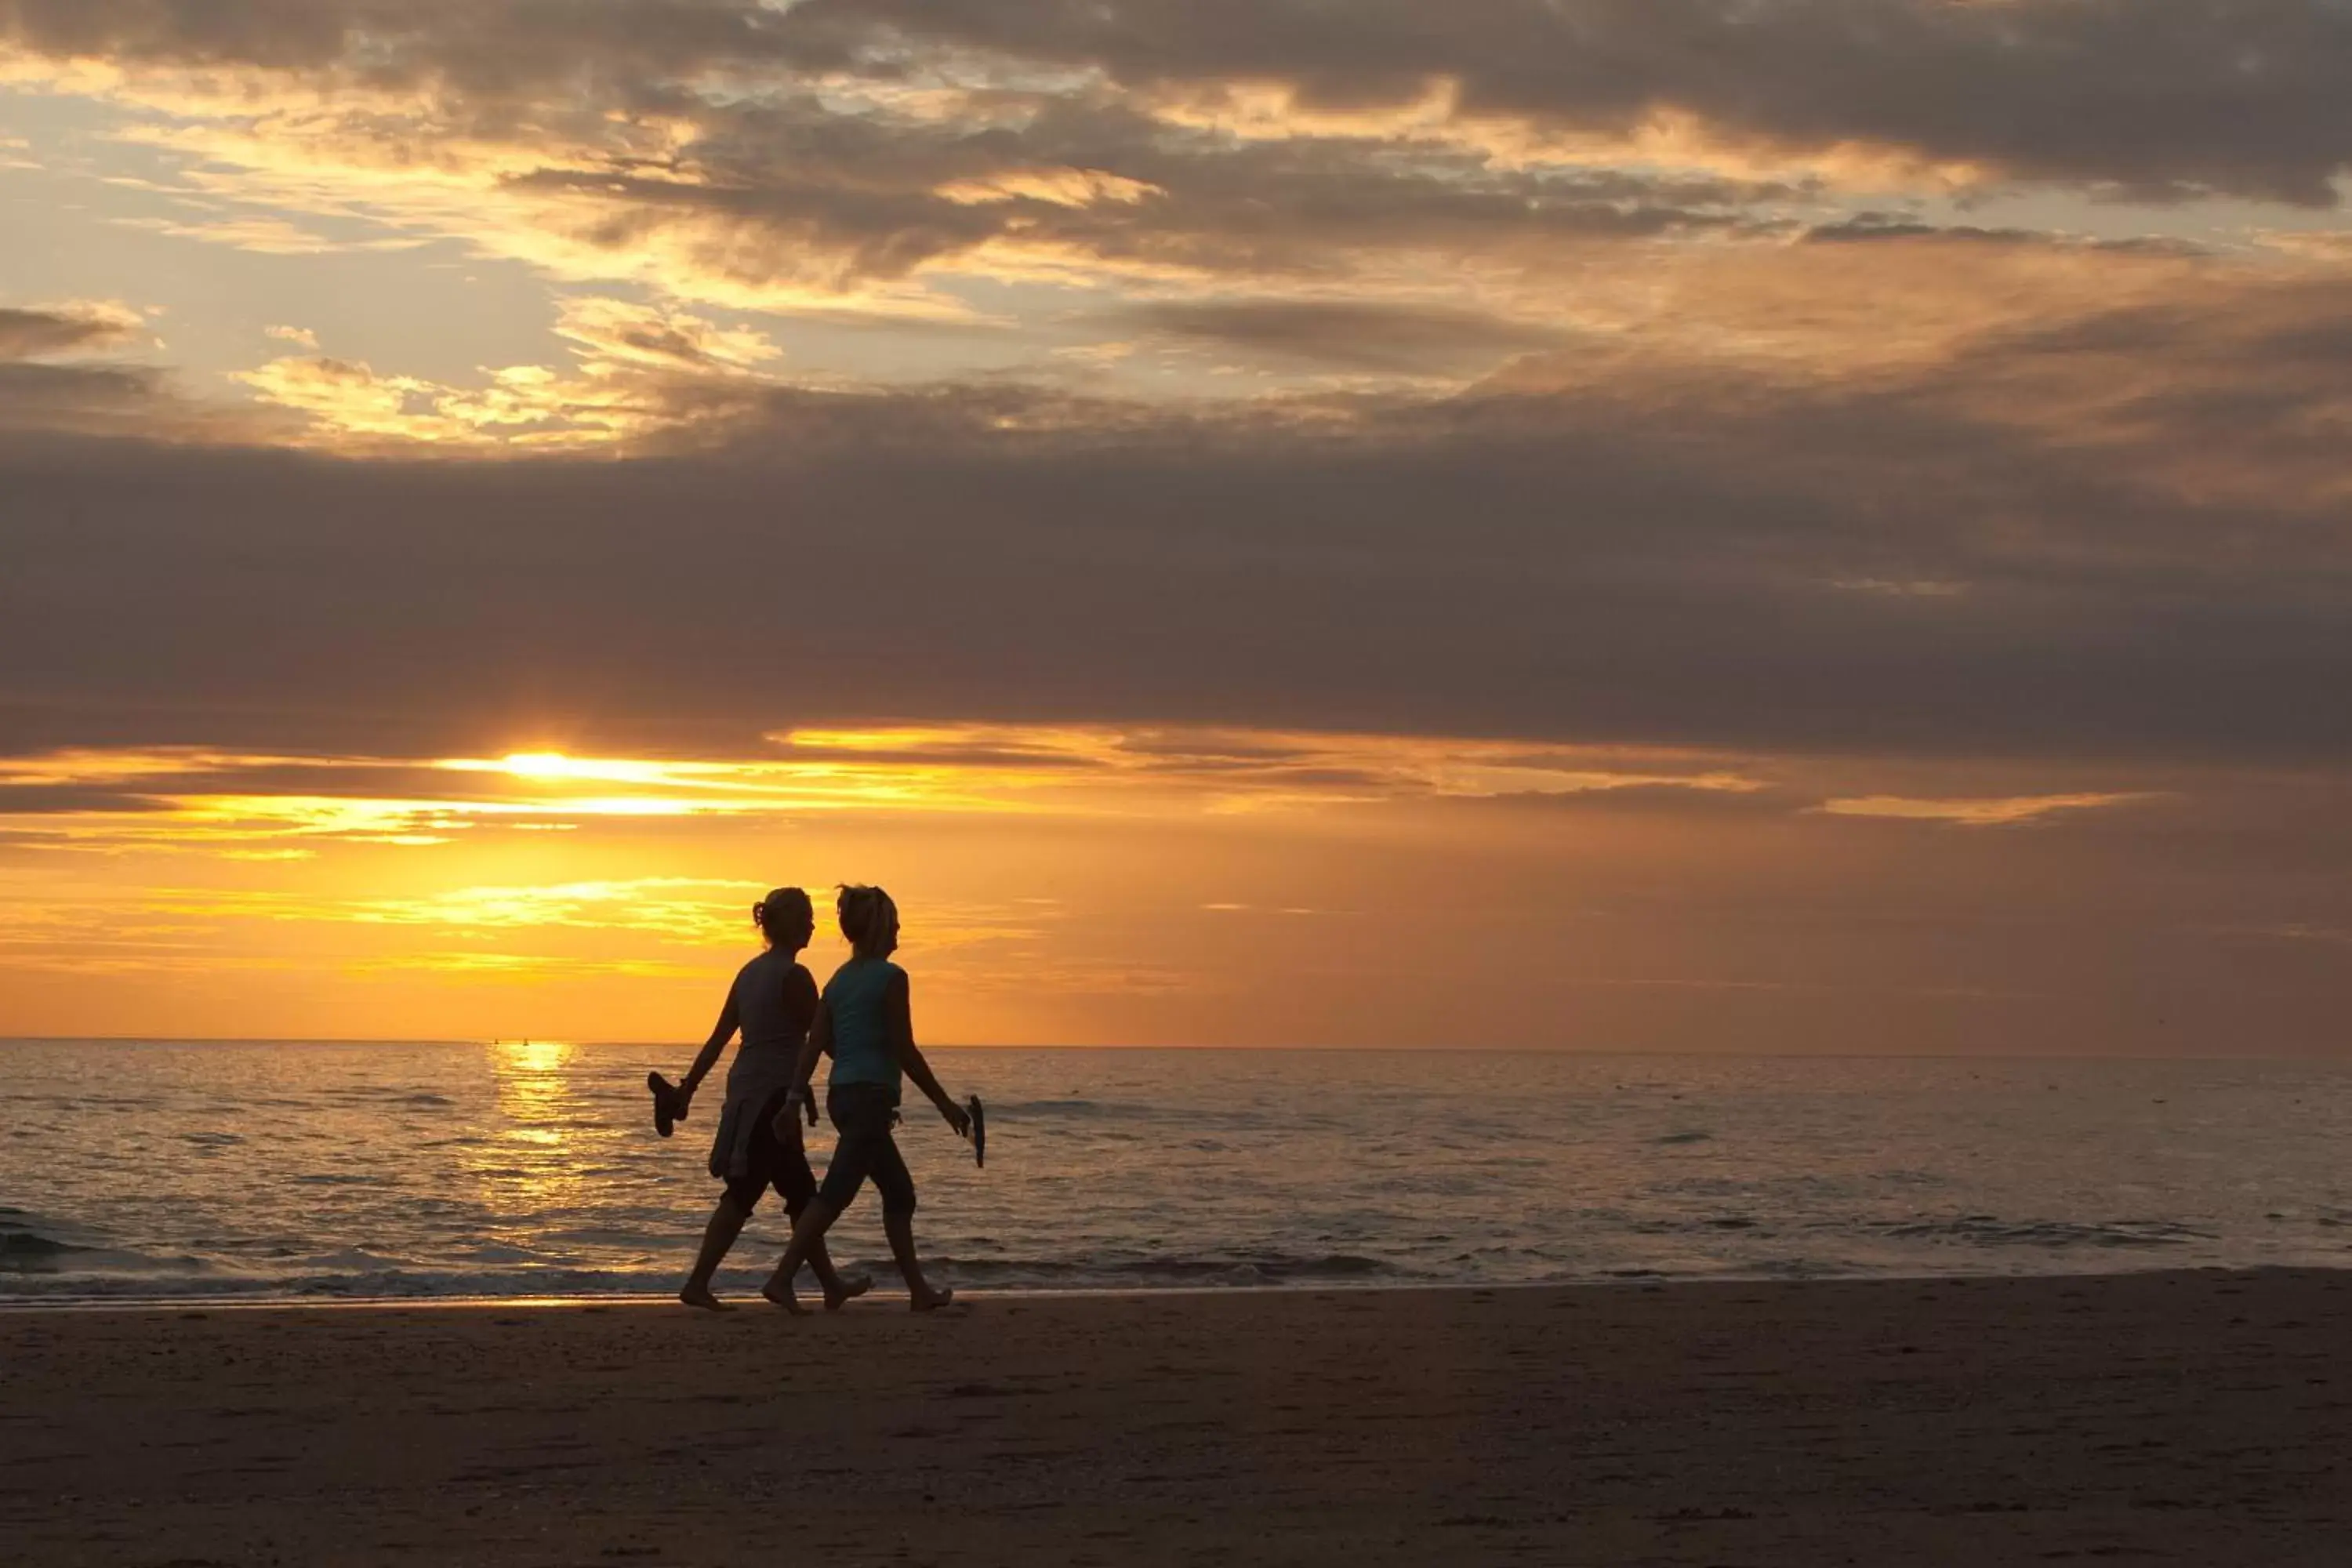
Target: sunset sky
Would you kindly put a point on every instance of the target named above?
(1607, 524)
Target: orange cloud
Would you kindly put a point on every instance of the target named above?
(1993, 812)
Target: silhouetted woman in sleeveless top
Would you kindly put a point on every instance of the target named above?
(865, 1020)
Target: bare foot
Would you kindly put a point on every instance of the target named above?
(853, 1285)
(782, 1296)
(700, 1296)
(930, 1302)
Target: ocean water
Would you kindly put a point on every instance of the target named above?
(172, 1171)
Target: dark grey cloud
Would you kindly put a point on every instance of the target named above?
(1335, 335)
(2243, 96)
(76, 799)
(40, 335)
(45, 384)
(1866, 227)
(494, 48)
(49, 383)
(2128, 548)
(123, 399)
(803, 190)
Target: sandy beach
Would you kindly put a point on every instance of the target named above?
(2202, 1419)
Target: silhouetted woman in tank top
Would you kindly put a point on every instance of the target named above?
(866, 1021)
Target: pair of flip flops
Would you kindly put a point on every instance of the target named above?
(669, 1103)
(977, 1131)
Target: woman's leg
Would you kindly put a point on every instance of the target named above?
(896, 1187)
(860, 1119)
(808, 1237)
(899, 1226)
(726, 1225)
(837, 1287)
(796, 1184)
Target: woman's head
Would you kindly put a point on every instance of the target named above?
(786, 919)
(869, 921)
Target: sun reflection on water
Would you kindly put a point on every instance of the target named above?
(532, 1165)
(531, 1061)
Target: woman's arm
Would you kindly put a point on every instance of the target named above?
(819, 1041)
(898, 1017)
(720, 1032)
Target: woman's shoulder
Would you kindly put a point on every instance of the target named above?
(771, 966)
(865, 970)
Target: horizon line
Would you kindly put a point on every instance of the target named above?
(1611, 1051)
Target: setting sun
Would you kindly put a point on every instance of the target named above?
(554, 765)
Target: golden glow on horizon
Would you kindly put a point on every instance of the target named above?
(202, 800)
(196, 799)
(1062, 883)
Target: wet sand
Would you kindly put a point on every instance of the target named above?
(2199, 1418)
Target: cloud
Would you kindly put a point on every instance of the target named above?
(1525, 170)
(50, 332)
(640, 372)
(2240, 96)
(1994, 813)
(1344, 335)
(39, 394)
(615, 332)
(2141, 495)
(262, 236)
(789, 201)
(1550, 442)
(80, 398)
(691, 150)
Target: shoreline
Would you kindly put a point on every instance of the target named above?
(2202, 1415)
(133, 1305)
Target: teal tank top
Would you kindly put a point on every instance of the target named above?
(861, 1043)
